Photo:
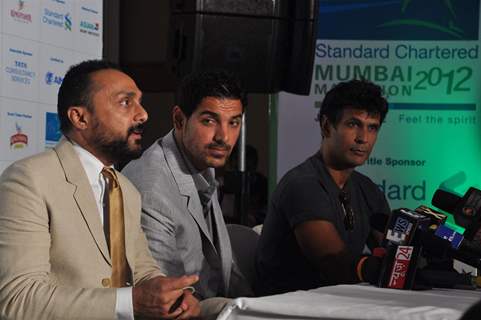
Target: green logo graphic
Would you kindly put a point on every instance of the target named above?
(448, 27)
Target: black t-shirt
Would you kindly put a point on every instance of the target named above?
(306, 193)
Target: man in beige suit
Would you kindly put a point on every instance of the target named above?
(55, 259)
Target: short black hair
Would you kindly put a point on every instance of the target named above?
(354, 94)
(210, 83)
(76, 88)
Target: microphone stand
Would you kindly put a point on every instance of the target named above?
(242, 198)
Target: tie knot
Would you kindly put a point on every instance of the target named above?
(110, 175)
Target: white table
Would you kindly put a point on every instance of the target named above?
(355, 302)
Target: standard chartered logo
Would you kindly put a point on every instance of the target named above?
(68, 22)
(57, 19)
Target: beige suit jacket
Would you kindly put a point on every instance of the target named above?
(54, 260)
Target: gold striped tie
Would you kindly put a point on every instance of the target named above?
(116, 230)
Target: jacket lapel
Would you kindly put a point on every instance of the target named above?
(129, 224)
(185, 183)
(83, 194)
(224, 243)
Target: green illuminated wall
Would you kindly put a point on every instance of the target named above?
(426, 55)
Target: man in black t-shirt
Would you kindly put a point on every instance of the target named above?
(318, 219)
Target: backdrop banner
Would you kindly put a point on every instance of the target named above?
(39, 41)
(425, 54)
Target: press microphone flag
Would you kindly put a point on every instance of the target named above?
(466, 211)
(400, 263)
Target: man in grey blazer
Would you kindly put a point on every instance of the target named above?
(55, 260)
(181, 215)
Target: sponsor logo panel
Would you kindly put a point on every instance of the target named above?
(56, 21)
(48, 133)
(54, 63)
(89, 24)
(39, 41)
(18, 127)
(20, 68)
(20, 18)
(52, 130)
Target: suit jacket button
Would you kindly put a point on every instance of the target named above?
(106, 282)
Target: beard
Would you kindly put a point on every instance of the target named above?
(117, 149)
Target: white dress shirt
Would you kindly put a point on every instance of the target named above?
(93, 168)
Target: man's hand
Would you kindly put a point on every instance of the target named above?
(154, 298)
(190, 306)
(321, 244)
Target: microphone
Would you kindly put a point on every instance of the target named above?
(439, 246)
(441, 242)
(445, 200)
(466, 210)
(402, 225)
(436, 217)
(464, 250)
(457, 240)
(410, 234)
(378, 222)
(447, 279)
(401, 241)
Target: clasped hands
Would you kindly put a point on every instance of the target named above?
(166, 298)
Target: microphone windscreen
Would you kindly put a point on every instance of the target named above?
(378, 221)
(433, 245)
(445, 200)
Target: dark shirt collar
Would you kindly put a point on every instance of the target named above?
(330, 180)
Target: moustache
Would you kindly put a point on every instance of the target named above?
(220, 145)
(139, 128)
(359, 149)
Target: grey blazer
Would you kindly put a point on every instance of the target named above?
(174, 224)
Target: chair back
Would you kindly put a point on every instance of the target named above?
(244, 243)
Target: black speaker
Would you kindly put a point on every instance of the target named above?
(268, 43)
(302, 46)
(144, 33)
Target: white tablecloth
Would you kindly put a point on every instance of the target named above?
(355, 302)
